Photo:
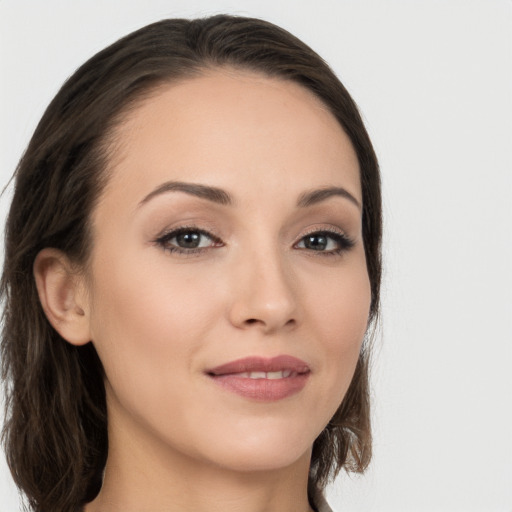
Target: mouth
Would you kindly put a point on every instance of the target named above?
(281, 374)
(262, 379)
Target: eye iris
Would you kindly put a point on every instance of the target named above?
(316, 242)
(188, 240)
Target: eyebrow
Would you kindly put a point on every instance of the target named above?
(316, 196)
(214, 194)
(219, 196)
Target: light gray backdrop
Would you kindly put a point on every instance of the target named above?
(433, 79)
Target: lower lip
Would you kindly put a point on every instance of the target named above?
(262, 390)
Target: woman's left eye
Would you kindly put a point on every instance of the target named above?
(327, 242)
(187, 240)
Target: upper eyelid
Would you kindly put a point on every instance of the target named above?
(208, 232)
(331, 229)
(166, 233)
(169, 233)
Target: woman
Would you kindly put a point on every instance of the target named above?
(192, 270)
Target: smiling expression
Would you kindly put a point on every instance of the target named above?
(228, 288)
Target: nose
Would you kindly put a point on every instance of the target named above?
(263, 295)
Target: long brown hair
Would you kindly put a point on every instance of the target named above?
(55, 435)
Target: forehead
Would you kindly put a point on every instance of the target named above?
(232, 128)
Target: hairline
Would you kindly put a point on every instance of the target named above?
(112, 143)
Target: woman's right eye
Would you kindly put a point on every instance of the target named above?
(188, 241)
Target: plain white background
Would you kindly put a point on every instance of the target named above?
(433, 79)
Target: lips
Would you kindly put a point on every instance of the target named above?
(262, 379)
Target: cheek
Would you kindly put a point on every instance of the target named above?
(146, 295)
(339, 313)
(147, 322)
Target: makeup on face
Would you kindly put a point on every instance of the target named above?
(228, 275)
(263, 379)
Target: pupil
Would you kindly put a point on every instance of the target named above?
(188, 240)
(316, 242)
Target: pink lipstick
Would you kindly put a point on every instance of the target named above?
(262, 379)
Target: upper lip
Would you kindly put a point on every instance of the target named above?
(261, 364)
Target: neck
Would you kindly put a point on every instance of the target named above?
(142, 475)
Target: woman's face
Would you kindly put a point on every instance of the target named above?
(228, 290)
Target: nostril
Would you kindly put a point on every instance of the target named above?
(251, 321)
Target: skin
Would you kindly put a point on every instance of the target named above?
(160, 319)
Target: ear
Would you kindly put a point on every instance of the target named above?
(63, 295)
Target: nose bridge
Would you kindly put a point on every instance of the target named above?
(264, 293)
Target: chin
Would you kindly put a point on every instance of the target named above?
(263, 458)
(263, 447)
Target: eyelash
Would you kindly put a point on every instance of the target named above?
(164, 241)
(343, 242)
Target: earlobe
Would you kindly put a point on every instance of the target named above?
(62, 295)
